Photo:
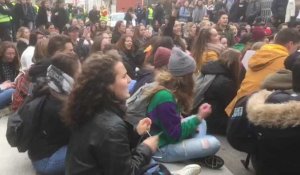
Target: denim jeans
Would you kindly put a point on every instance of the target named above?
(55, 164)
(198, 146)
(5, 97)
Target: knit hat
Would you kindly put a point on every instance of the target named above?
(258, 34)
(161, 57)
(181, 63)
(291, 59)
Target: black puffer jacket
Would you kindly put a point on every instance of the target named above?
(222, 90)
(276, 117)
(104, 145)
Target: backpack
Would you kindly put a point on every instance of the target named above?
(22, 90)
(202, 84)
(137, 104)
(240, 132)
(23, 124)
(155, 169)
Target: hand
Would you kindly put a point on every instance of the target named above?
(204, 111)
(143, 126)
(7, 84)
(152, 143)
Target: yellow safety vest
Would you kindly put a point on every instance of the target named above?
(150, 13)
(5, 18)
(36, 8)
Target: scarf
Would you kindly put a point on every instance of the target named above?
(215, 47)
(59, 81)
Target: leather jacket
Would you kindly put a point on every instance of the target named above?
(103, 145)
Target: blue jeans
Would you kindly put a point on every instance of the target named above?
(55, 164)
(199, 146)
(5, 97)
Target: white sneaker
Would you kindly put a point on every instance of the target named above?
(192, 169)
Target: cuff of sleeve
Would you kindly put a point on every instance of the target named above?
(196, 119)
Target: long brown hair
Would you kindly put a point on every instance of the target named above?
(4, 46)
(182, 87)
(121, 44)
(199, 46)
(90, 93)
(231, 59)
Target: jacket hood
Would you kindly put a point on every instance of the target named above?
(281, 80)
(144, 72)
(266, 55)
(39, 70)
(280, 115)
(214, 67)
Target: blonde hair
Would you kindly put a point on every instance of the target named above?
(41, 50)
(20, 33)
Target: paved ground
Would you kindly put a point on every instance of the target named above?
(14, 163)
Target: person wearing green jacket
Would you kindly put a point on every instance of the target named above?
(180, 139)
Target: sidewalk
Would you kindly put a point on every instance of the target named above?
(14, 163)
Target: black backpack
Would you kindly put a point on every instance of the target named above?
(23, 124)
(240, 132)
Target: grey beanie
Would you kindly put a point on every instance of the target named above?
(181, 63)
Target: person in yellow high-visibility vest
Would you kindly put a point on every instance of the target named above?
(150, 15)
(11, 6)
(5, 22)
(104, 14)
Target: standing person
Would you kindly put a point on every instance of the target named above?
(210, 6)
(20, 12)
(94, 15)
(222, 89)
(184, 12)
(139, 12)
(253, 10)
(237, 12)
(286, 42)
(128, 16)
(220, 8)
(43, 13)
(150, 15)
(5, 22)
(169, 100)
(48, 147)
(59, 16)
(199, 11)
(279, 10)
(159, 14)
(30, 15)
(118, 31)
(102, 142)
(206, 47)
(11, 6)
(9, 68)
(23, 35)
(224, 29)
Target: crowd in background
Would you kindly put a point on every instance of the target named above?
(87, 70)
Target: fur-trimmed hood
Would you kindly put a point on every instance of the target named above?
(280, 115)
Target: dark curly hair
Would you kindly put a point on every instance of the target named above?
(90, 93)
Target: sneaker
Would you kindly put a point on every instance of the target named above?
(192, 169)
(213, 162)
